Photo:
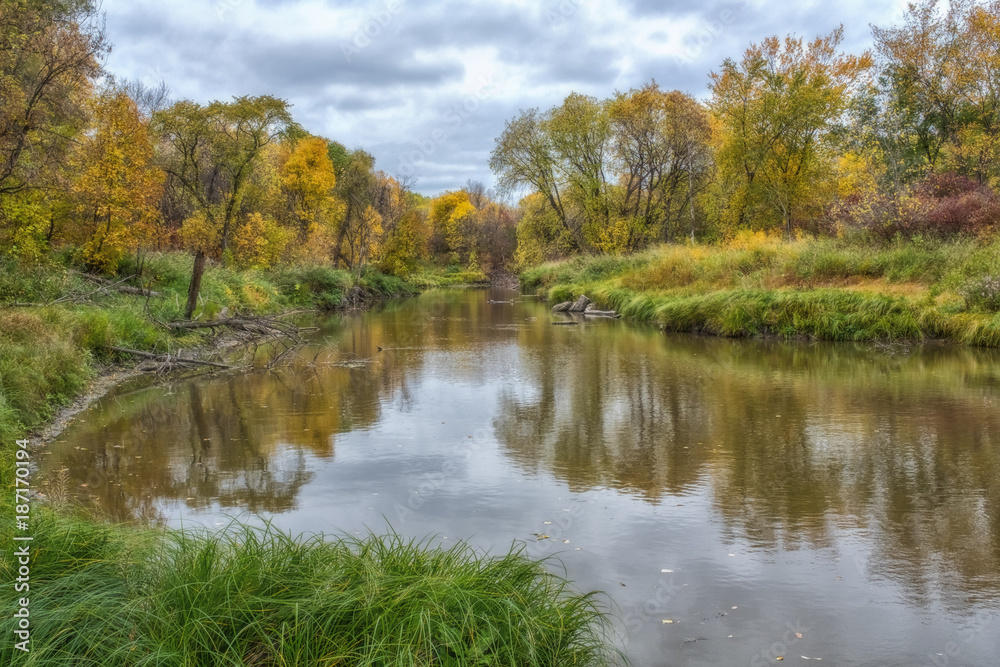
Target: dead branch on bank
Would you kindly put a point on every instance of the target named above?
(118, 287)
(168, 359)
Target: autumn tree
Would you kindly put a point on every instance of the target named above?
(308, 178)
(661, 144)
(49, 59)
(355, 187)
(579, 132)
(452, 219)
(118, 187)
(774, 111)
(210, 152)
(524, 157)
(941, 78)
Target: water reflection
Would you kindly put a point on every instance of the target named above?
(883, 465)
(797, 440)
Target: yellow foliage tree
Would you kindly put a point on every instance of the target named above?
(308, 178)
(259, 242)
(774, 110)
(118, 187)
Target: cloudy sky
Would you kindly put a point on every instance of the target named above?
(426, 86)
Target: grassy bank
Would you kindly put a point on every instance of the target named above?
(831, 289)
(63, 332)
(104, 596)
(428, 278)
(49, 350)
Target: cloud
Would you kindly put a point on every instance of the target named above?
(392, 75)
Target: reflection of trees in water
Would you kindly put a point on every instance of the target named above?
(244, 441)
(795, 441)
(241, 441)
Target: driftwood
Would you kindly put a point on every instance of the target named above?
(254, 325)
(167, 359)
(125, 289)
(565, 324)
(601, 313)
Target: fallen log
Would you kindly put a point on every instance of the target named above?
(252, 325)
(601, 313)
(167, 359)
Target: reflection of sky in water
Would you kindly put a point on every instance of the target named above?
(826, 490)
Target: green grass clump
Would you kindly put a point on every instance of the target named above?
(832, 289)
(247, 596)
(429, 278)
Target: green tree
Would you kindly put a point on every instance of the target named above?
(774, 111)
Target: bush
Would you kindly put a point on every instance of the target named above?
(940, 205)
(982, 294)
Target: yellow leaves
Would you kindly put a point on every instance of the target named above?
(117, 188)
(198, 232)
(308, 177)
(259, 242)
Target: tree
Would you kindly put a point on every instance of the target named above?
(661, 143)
(941, 77)
(308, 178)
(118, 187)
(355, 187)
(452, 219)
(775, 109)
(579, 132)
(524, 156)
(211, 152)
(49, 58)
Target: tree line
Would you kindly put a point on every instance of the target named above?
(795, 136)
(107, 168)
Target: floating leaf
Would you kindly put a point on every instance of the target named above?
(668, 620)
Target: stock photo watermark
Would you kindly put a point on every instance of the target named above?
(710, 31)
(453, 119)
(22, 544)
(369, 30)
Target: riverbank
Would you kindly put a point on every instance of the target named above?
(244, 596)
(59, 329)
(827, 289)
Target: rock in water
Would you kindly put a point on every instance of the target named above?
(562, 307)
(580, 305)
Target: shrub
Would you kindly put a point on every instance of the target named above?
(982, 293)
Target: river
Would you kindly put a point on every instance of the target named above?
(738, 500)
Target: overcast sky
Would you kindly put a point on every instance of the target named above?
(426, 86)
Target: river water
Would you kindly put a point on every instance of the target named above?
(737, 500)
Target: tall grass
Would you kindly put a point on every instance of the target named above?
(49, 352)
(257, 596)
(833, 289)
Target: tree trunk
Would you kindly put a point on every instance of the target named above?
(195, 286)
